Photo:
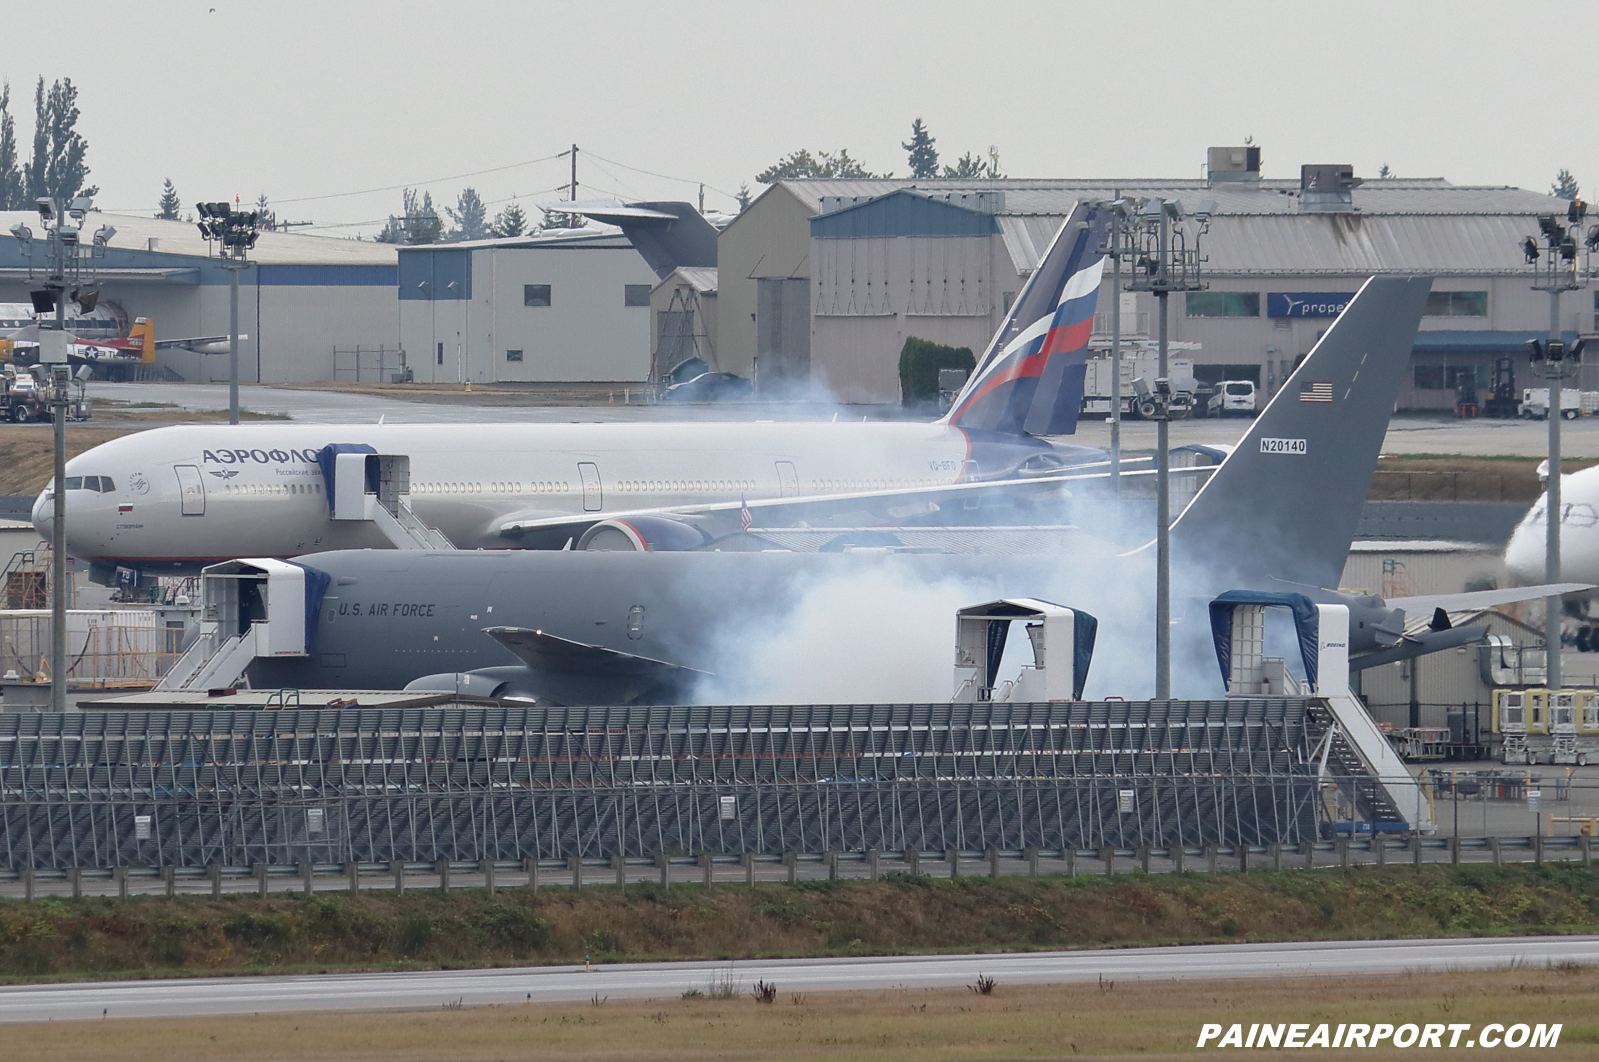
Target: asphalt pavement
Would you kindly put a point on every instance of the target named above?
(554, 984)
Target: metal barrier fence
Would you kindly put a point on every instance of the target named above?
(707, 868)
(197, 789)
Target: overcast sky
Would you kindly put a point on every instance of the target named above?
(308, 102)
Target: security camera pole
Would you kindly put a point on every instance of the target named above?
(1165, 263)
(1559, 273)
(69, 263)
(235, 233)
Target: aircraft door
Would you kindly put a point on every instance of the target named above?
(593, 499)
(192, 489)
(787, 479)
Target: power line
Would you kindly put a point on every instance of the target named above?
(662, 176)
(420, 184)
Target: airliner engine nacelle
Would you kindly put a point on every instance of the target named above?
(655, 534)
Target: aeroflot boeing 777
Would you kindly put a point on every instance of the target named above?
(173, 498)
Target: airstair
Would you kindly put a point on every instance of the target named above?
(250, 609)
(364, 485)
(1353, 752)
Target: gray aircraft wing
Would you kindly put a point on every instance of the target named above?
(725, 518)
(549, 652)
(1484, 598)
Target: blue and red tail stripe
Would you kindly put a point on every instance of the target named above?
(1030, 380)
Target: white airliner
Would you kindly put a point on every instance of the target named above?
(175, 498)
(1579, 532)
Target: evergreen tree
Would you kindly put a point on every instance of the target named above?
(170, 203)
(268, 217)
(422, 224)
(972, 165)
(744, 198)
(12, 195)
(469, 215)
(393, 231)
(1383, 172)
(1565, 186)
(57, 167)
(801, 164)
(510, 222)
(923, 156)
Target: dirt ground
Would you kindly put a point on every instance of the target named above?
(1111, 1019)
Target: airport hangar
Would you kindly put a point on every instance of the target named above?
(823, 280)
(565, 306)
(305, 296)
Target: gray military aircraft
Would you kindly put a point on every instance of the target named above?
(640, 627)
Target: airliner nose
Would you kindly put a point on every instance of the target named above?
(44, 512)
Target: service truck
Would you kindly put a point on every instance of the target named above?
(1141, 365)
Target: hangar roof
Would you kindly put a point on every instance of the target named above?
(1417, 225)
(182, 238)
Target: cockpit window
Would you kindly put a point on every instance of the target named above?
(74, 482)
(103, 484)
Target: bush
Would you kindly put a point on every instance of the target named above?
(919, 362)
(416, 932)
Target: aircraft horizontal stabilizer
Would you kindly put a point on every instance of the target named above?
(1412, 646)
(1484, 598)
(549, 652)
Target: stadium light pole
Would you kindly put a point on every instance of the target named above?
(1118, 245)
(235, 232)
(1559, 273)
(1167, 260)
(69, 263)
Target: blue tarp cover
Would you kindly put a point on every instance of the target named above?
(316, 586)
(1307, 622)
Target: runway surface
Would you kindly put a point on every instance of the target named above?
(552, 984)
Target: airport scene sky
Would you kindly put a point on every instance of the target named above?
(309, 103)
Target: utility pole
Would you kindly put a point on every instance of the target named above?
(69, 264)
(1165, 263)
(574, 173)
(235, 231)
(1560, 273)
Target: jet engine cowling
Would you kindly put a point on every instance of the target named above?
(655, 534)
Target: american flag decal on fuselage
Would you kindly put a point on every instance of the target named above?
(1315, 392)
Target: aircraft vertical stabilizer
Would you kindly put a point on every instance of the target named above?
(1286, 502)
(1030, 379)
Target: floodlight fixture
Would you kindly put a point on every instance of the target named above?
(1122, 208)
(1551, 228)
(1576, 211)
(43, 301)
(1568, 249)
(86, 298)
(81, 205)
(1555, 350)
(1174, 209)
(1575, 353)
(1535, 350)
(25, 234)
(1206, 208)
(1529, 247)
(1592, 239)
(1152, 210)
(103, 235)
(47, 208)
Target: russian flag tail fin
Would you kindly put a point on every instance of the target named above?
(1030, 379)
